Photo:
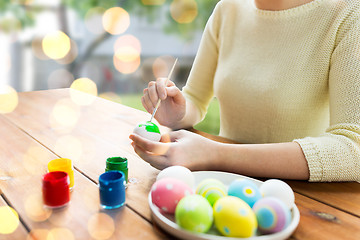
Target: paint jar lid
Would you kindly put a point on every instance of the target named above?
(60, 163)
(112, 179)
(116, 163)
(56, 179)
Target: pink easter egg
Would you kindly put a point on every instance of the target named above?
(167, 192)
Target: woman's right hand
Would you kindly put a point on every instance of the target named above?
(172, 108)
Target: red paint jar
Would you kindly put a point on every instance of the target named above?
(55, 189)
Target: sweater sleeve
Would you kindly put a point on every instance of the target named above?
(335, 155)
(199, 86)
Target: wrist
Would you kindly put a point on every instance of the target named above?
(216, 156)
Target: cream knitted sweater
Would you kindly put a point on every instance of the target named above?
(291, 75)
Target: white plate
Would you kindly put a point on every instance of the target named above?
(167, 221)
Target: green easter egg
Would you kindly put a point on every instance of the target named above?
(150, 127)
(194, 213)
(148, 130)
(211, 189)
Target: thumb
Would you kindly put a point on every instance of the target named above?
(174, 136)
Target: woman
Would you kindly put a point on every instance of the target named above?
(287, 77)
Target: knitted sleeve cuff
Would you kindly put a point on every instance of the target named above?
(313, 159)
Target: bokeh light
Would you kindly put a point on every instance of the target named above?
(126, 67)
(60, 234)
(162, 66)
(61, 219)
(101, 226)
(83, 91)
(8, 99)
(116, 20)
(128, 41)
(9, 220)
(60, 78)
(56, 45)
(70, 147)
(127, 50)
(153, 2)
(127, 54)
(93, 20)
(184, 11)
(34, 208)
(71, 55)
(31, 159)
(111, 96)
(36, 46)
(66, 113)
(38, 234)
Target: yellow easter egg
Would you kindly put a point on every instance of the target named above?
(234, 218)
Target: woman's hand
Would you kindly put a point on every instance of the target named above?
(181, 147)
(173, 104)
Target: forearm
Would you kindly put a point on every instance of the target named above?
(277, 160)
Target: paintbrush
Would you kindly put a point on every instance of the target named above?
(159, 100)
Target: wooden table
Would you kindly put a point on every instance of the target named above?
(48, 125)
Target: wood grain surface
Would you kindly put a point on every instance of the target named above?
(48, 125)
(24, 160)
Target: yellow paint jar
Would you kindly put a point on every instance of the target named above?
(63, 165)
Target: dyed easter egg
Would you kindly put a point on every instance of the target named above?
(194, 213)
(211, 189)
(234, 218)
(272, 215)
(179, 172)
(148, 130)
(279, 189)
(167, 192)
(245, 190)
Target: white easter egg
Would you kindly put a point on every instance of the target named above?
(278, 189)
(179, 172)
(148, 130)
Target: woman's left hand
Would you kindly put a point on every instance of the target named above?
(181, 147)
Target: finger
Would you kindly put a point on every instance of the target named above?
(156, 148)
(148, 101)
(174, 136)
(157, 161)
(160, 88)
(165, 138)
(152, 93)
(176, 94)
(147, 105)
(170, 83)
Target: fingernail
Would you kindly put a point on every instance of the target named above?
(162, 96)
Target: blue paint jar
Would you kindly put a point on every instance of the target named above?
(112, 189)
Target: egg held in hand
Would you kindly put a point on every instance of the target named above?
(167, 192)
(194, 213)
(148, 130)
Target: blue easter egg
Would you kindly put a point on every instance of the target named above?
(245, 190)
(272, 215)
